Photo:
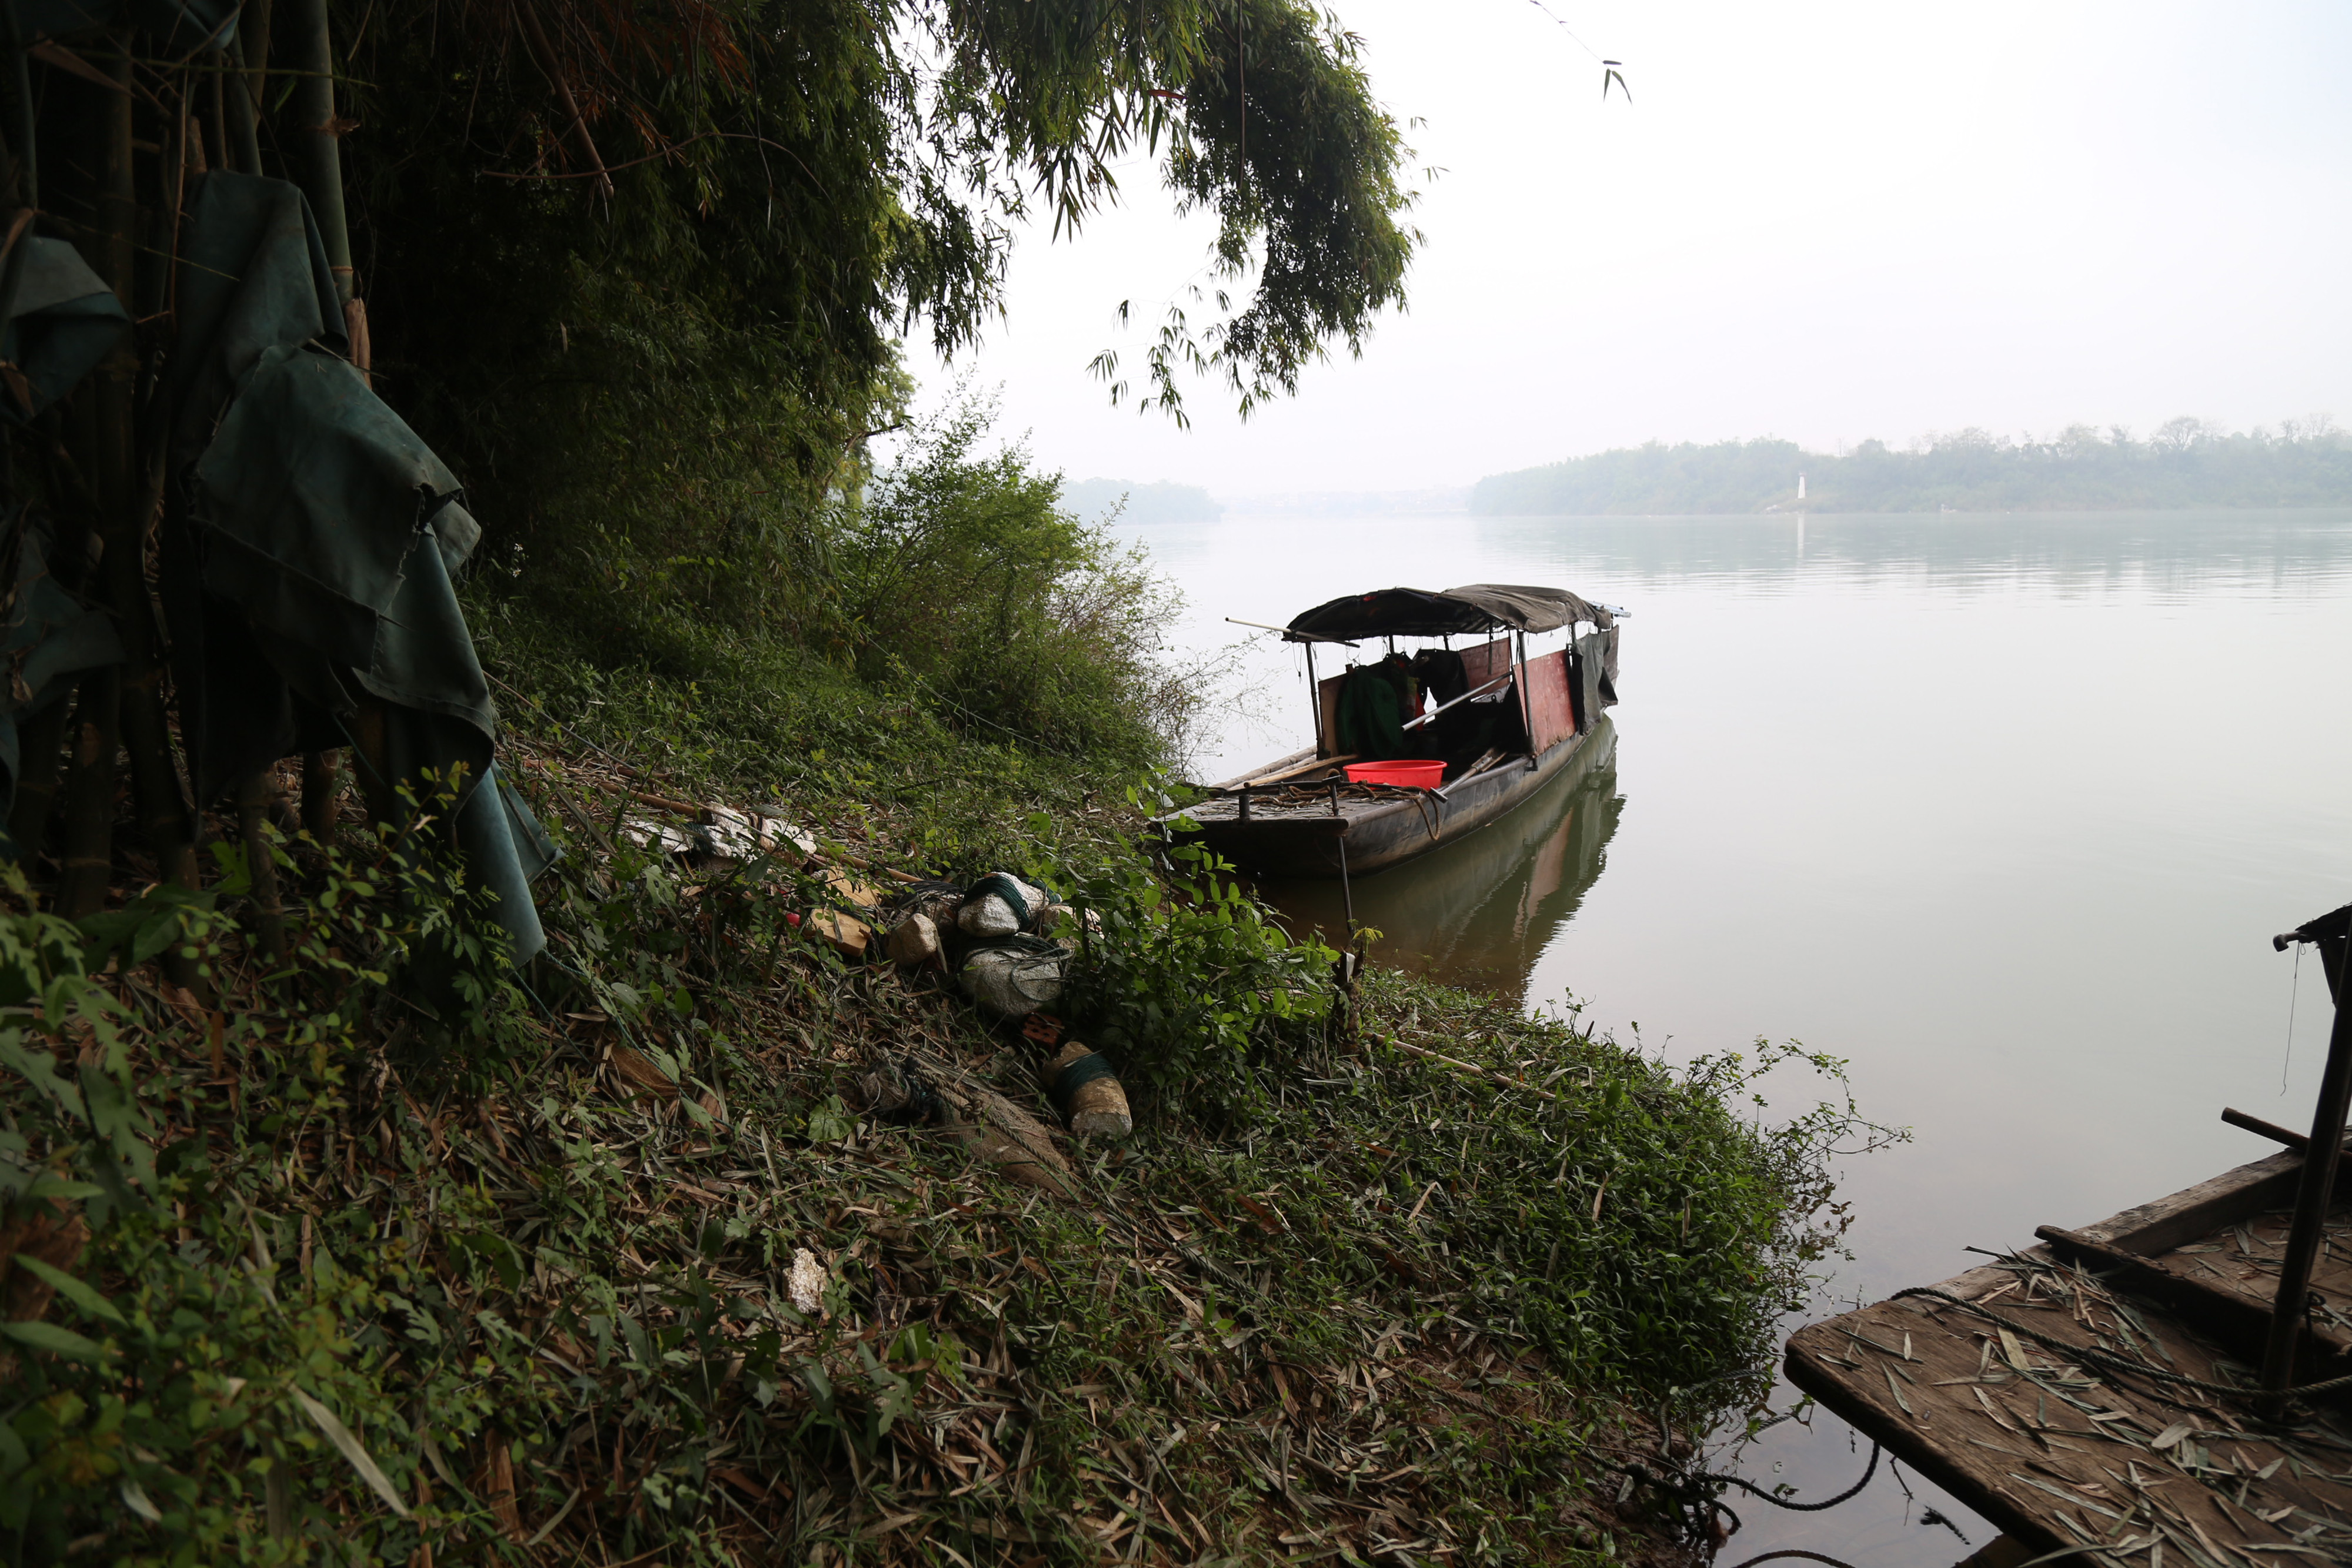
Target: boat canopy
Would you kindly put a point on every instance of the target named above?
(1418, 612)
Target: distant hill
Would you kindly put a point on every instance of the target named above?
(2187, 462)
(1093, 500)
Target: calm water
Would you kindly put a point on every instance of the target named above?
(2001, 810)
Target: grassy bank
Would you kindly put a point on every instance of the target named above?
(330, 1267)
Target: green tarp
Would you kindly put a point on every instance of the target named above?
(64, 321)
(311, 542)
(47, 638)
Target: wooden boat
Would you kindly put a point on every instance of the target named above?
(2121, 1391)
(1481, 912)
(1517, 725)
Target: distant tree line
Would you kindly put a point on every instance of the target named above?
(2185, 463)
(1163, 501)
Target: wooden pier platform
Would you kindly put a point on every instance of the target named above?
(2076, 1446)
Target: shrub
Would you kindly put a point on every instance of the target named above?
(1190, 986)
(962, 573)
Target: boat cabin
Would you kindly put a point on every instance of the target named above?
(1418, 744)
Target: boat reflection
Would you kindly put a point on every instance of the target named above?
(1479, 912)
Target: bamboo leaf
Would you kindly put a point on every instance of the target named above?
(135, 1497)
(1896, 1389)
(54, 1340)
(77, 1290)
(341, 1436)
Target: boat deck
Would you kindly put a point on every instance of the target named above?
(1272, 801)
(2110, 1464)
(1293, 831)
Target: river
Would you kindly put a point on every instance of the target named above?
(2001, 810)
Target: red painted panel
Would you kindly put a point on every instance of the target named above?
(1485, 662)
(1553, 716)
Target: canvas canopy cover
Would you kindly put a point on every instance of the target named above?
(1418, 612)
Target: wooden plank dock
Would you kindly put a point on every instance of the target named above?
(2044, 1389)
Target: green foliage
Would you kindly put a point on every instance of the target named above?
(965, 652)
(181, 1393)
(203, 1389)
(85, 1091)
(1281, 140)
(1635, 1224)
(657, 389)
(2187, 462)
(961, 575)
(332, 1289)
(759, 717)
(1190, 986)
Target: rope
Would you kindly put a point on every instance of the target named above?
(1868, 1471)
(1086, 1070)
(2094, 1357)
(2294, 985)
(1796, 1551)
(1686, 1488)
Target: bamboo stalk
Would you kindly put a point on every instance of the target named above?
(88, 858)
(370, 757)
(242, 142)
(90, 797)
(253, 39)
(267, 915)
(12, 277)
(543, 50)
(321, 179)
(216, 97)
(40, 746)
(163, 807)
(129, 491)
(314, 111)
(111, 251)
(21, 85)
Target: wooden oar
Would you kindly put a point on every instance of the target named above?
(1277, 777)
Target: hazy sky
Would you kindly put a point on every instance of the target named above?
(1820, 221)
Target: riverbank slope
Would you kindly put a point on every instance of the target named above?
(391, 1253)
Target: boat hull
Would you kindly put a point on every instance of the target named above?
(1373, 838)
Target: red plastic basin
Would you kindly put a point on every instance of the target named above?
(1419, 774)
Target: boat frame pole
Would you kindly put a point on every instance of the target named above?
(1346, 895)
(1527, 707)
(2312, 1196)
(1315, 699)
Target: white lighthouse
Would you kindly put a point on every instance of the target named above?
(1800, 486)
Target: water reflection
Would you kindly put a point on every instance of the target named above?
(2163, 554)
(1999, 809)
(1479, 912)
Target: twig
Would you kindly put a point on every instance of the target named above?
(1474, 1071)
(543, 53)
